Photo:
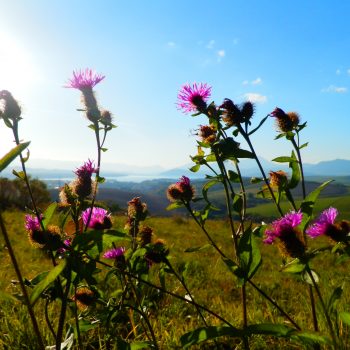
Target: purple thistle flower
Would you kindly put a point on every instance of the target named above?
(192, 98)
(184, 181)
(86, 170)
(100, 218)
(32, 223)
(84, 79)
(114, 253)
(285, 223)
(320, 226)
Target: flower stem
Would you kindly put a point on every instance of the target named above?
(328, 319)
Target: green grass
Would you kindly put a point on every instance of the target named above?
(207, 277)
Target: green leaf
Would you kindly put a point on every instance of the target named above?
(258, 127)
(175, 205)
(100, 179)
(296, 174)
(345, 317)
(276, 330)
(307, 206)
(310, 338)
(51, 276)
(202, 334)
(136, 345)
(104, 149)
(237, 203)
(26, 158)
(12, 155)
(233, 176)
(242, 153)
(20, 174)
(48, 213)
(205, 190)
(304, 145)
(197, 249)
(249, 254)
(306, 277)
(256, 180)
(38, 278)
(334, 299)
(195, 168)
(294, 267)
(284, 160)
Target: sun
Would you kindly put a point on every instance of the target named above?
(17, 67)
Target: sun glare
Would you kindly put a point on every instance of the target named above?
(17, 69)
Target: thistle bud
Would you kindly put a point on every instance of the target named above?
(84, 297)
(181, 190)
(247, 110)
(137, 210)
(207, 133)
(11, 109)
(231, 113)
(278, 179)
(285, 121)
(157, 252)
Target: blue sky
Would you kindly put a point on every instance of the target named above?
(291, 54)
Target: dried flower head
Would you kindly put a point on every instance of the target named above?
(285, 121)
(285, 229)
(207, 133)
(137, 210)
(181, 190)
(247, 110)
(106, 117)
(84, 79)
(157, 252)
(278, 179)
(10, 107)
(231, 114)
(84, 297)
(145, 234)
(192, 98)
(100, 219)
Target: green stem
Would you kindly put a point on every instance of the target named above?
(181, 280)
(328, 319)
(246, 137)
(63, 313)
(98, 142)
(20, 279)
(47, 319)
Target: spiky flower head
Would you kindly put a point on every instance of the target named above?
(231, 114)
(285, 229)
(285, 121)
(114, 253)
(157, 252)
(145, 234)
(67, 195)
(10, 107)
(207, 133)
(326, 225)
(278, 179)
(137, 210)
(181, 190)
(100, 219)
(82, 186)
(84, 79)
(247, 110)
(32, 223)
(193, 97)
(84, 297)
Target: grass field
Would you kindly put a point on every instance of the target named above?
(206, 275)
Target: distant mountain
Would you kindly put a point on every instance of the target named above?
(50, 169)
(337, 167)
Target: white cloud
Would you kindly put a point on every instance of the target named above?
(338, 71)
(210, 44)
(348, 71)
(254, 97)
(171, 44)
(257, 81)
(336, 89)
(221, 54)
